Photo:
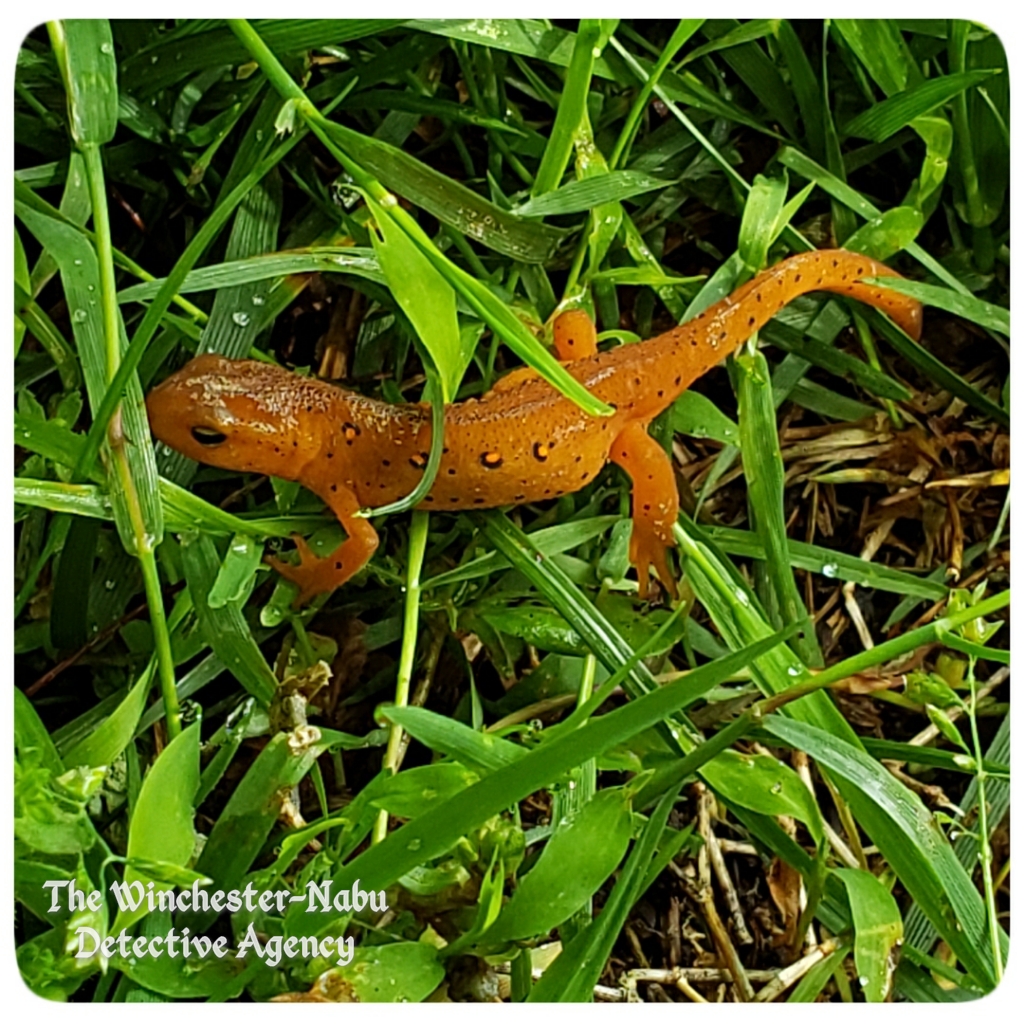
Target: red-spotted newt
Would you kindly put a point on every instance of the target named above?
(523, 441)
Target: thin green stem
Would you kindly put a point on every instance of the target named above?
(887, 651)
(407, 657)
(144, 543)
(161, 641)
(684, 30)
(867, 342)
(984, 844)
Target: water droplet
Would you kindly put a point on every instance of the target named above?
(242, 319)
(109, 584)
(80, 316)
(92, 288)
(78, 263)
(259, 134)
(258, 300)
(741, 596)
(414, 845)
(777, 788)
(106, 48)
(153, 59)
(793, 670)
(830, 569)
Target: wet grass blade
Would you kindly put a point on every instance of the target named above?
(984, 314)
(437, 830)
(886, 118)
(906, 835)
(765, 476)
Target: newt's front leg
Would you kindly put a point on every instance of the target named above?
(655, 503)
(314, 575)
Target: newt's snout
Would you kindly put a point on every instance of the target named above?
(236, 414)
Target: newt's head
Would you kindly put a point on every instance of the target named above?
(241, 415)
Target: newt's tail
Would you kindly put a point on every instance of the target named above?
(829, 270)
(688, 351)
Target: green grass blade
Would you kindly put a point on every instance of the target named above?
(906, 835)
(885, 119)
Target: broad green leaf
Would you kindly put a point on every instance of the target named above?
(161, 827)
(235, 576)
(398, 972)
(573, 975)
(225, 628)
(31, 735)
(577, 859)
(695, 414)
(878, 931)
(760, 224)
(85, 51)
(883, 237)
(766, 785)
(412, 792)
(878, 44)
(251, 811)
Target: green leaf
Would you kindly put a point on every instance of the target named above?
(89, 69)
(161, 825)
(985, 314)
(882, 237)
(398, 972)
(80, 277)
(766, 785)
(104, 745)
(251, 812)
(760, 225)
(572, 977)
(878, 931)
(880, 47)
(584, 194)
(578, 858)
(572, 107)
(30, 735)
(908, 838)
(235, 576)
(695, 414)
(886, 118)
(410, 793)
(225, 628)
(426, 298)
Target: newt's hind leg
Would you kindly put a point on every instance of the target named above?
(315, 575)
(655, 503)
(575, 335)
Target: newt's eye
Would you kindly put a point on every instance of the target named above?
(208, 437)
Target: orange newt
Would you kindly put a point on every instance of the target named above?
(521, 442)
